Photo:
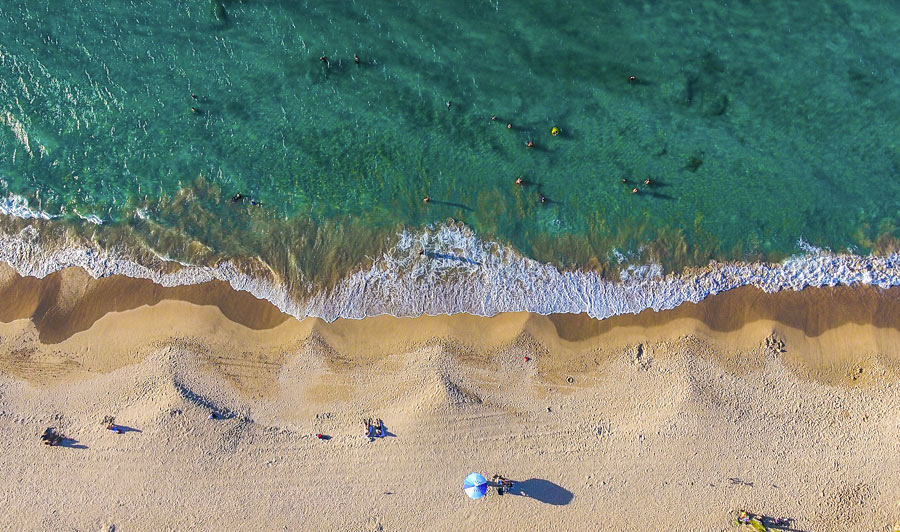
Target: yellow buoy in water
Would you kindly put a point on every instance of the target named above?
(554, 131)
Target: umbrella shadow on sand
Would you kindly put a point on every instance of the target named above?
(543, 491)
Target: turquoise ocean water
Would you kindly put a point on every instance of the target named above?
(765, 129)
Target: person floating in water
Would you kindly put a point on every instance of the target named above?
(519, 181)
(508, 126)
(542, 198)
(449, 103)
(631, 79)
(356, 59)
(554, 131)
(196, 111)
(634, 190)
(241, 198)
(426, 199)
(647, 181)
(529, 144)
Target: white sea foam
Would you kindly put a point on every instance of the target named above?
(92, 218)
(17, 206)
(459, 272)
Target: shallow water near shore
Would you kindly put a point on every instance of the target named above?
(761, 129)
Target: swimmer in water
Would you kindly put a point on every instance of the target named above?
(519, 181)
(529, 144)
(356, 59)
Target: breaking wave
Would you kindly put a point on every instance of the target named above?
(447, 269)
(17, 206)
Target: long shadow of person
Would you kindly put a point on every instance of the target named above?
(71, 443)
(436, 255)
(543, 491)
(122, 429)
(451, 204)
(658, 195)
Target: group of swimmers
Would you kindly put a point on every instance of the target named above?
(324, 59)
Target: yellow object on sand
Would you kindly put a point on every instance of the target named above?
(554, 131)
(756, 525)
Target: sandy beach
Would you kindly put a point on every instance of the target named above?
(786, 405)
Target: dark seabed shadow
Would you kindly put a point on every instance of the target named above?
(543, 491)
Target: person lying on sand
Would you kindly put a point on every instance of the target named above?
(51, 437)
(503, 484)
(503, 481)
(753, 521)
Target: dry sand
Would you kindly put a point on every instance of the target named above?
(783, 404)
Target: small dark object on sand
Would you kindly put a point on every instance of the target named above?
(51, 437)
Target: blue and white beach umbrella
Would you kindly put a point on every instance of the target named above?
(475, 486)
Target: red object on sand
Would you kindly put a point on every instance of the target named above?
(527, 359)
